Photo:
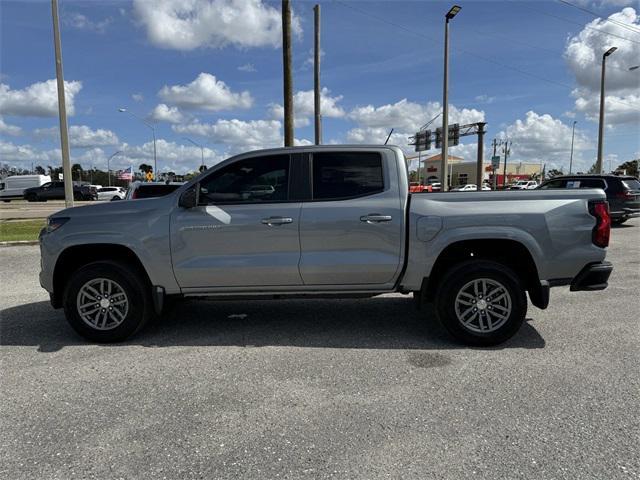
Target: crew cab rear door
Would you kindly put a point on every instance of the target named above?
(244, 230)
(351, 231)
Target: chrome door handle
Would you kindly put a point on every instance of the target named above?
(276, 221)
(375, 218)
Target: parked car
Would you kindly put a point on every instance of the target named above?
(623, 192)
(12, 188)
(416, 187)
(111, 193)
(151, 189)
(524, 185)
(339, 222)
(469, 187)
(55, 191)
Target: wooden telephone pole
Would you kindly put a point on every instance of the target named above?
(287, 75)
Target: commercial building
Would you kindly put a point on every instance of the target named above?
(462, 172)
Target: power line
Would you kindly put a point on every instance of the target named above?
(610, 20)
(481, 57)
(563, 19)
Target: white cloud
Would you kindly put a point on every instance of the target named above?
(546, 139)
(7, 129)
(164, 113)
(37, 100)
(186, 25)
(303, 107)
(247, 67)
(82, 136)
(137, 97)
(82, 22)
(237, 135)
(583, 54)
(618, 110)
(10, 152)
(205, 93)
(171, 156)
(406, 118)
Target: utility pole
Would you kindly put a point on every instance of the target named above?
(495, 177)
(316, 76)
(480, 165)
(62, 109)
(287, 74)
(445, 102)
(573, 132)
(505, 148)
(601, 121)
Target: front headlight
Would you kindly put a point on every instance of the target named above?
(54, 223)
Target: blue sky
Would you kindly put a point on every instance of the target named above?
(210, 70)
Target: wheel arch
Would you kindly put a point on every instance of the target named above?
(510, 253)
(74, 257)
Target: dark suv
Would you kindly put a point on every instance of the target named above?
(623, 192)
(55, 191)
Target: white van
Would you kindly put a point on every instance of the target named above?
(12, 188)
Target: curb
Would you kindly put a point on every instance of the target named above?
(19, 243)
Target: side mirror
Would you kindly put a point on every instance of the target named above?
(189, 199)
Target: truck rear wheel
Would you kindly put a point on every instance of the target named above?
(107, 301)
(481, 303)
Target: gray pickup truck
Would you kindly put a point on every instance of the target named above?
(328, 221)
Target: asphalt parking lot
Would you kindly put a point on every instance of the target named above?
(323, 389)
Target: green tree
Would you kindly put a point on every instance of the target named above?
(40, 170)
(144, 168)
(76, 170)
(554, 172)
(630, 167)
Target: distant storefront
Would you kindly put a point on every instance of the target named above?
(462, 172)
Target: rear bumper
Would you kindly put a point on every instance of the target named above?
(592, 277)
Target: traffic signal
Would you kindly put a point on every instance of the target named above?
(439, 138)
(422, 141)
(454, 134)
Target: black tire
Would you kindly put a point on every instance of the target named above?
(619, 221)
(32, 197)
(131, 282)
(6, 201)
(459, 277)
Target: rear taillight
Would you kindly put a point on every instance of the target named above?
(602, 230)
(625, 195)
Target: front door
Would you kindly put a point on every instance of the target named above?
(244, 231)
(351, 233)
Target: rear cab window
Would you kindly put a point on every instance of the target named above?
(345, 175)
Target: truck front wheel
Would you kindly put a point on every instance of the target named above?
(481, 303)
(107, 301)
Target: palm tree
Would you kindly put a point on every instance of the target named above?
(76, 168)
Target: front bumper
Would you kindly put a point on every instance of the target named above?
(592, 277)
(626, 213)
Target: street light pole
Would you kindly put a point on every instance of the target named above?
(197, 145)
(573, 132)
(445, 101)
(153, 131)
(109, 167)
(601, 121)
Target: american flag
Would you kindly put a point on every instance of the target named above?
(126, 174)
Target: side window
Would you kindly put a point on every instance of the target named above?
(592, 183)
(339, 176)
(554, 184)
(254, 180)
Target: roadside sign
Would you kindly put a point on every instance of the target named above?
(495, 162)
